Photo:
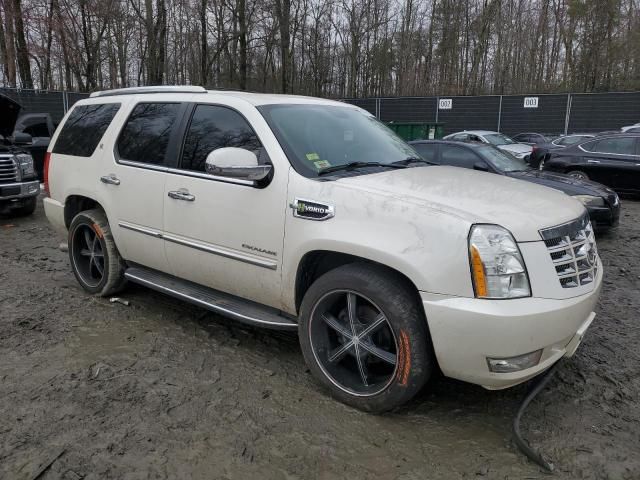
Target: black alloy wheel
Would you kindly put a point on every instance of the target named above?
(87, 255)
(353, 343)
(94, 257)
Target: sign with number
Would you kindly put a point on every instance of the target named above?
(530, 102)
(445, 104)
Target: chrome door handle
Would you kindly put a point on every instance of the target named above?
(181, 195)
(110, 179)
(593, 161)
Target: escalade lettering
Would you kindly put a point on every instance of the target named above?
(259, 250)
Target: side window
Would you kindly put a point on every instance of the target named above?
(145, 136)
(458, 156)
(426, 150)
(620, 146)
(214, 127)
(84, 128)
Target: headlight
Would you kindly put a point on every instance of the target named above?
(26, 164)
(497, 267)
(590, 201)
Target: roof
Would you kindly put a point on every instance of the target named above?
(478, 132)
(250, 97)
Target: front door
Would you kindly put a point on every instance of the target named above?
(224, 234)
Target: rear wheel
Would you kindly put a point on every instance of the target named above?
(95, 260)
(578, 174)
(364, 336)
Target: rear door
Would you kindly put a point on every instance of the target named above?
(134, 182)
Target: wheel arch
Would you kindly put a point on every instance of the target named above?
(316, 263)
(75, 204)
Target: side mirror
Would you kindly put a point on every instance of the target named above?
(481, 166)
(21, 138)
(237, 163)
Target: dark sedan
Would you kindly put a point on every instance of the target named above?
(601, 202)
(613, 160)
(541, 151)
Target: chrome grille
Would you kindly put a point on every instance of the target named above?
(8, 170)
(573, 251)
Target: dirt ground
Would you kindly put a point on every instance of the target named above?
(161, 389)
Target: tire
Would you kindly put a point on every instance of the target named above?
(380, 385)
(27, 207)
(93, 254)
(578, 174)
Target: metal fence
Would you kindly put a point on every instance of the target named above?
(512, 114)
(55, 103)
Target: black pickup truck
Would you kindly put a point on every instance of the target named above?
(19, 185)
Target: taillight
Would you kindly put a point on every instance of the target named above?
(47, 161)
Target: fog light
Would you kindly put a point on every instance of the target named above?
(32, 189)
(514, 364)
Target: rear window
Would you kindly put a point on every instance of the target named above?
(84, 128)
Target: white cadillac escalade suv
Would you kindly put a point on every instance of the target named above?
(307, 214)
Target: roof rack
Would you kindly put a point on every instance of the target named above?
(156, 89)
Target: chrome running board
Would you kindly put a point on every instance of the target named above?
(228, 305)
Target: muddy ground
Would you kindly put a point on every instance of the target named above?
(161, 389)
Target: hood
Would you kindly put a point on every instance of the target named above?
(9, 111)
(477, 197)
(563, 183)
(516, 148)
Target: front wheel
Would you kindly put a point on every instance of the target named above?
(26, 207)
(95, 260)
(364, 336)
(579, 175)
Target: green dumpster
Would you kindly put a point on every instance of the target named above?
(417, 131)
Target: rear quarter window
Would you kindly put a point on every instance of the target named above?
(84, 129)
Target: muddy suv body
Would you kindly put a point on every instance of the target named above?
(307, 214)
(19, 185)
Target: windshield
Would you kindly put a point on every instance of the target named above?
(316, 137)
(502, 160)
(498, 139)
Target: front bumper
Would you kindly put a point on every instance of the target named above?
(467, 331)
(19, 190)
(604, 217)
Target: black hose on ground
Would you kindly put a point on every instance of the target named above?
(520, 442)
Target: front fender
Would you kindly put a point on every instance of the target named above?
(427, 246)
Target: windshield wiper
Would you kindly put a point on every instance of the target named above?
(353, 165)
(410, 160)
